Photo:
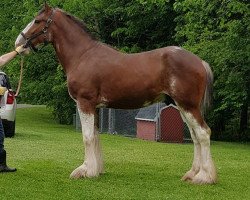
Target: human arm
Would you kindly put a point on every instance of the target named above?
(9, 56)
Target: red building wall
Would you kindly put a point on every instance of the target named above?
(172, 125)
(146, 130)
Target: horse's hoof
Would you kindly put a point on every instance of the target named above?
(80, 172)
(204, 178)
(83, 172)
(189, 175)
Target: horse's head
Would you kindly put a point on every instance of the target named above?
(38, 30)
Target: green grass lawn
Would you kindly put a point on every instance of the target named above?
(45, 153)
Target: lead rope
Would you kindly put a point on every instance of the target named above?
(21, 76)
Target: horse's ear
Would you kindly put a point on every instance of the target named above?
(46, 6)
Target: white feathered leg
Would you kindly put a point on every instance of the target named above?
(207, 173)
(203, 170)
(93, 163)
(197, 149)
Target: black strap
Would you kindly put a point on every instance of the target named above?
(43, 31)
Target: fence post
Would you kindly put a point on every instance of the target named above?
(101, 120)
(158, 126)
(111, 120)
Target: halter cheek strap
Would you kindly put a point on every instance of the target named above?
(42, 32)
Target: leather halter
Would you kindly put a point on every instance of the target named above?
(42, 32)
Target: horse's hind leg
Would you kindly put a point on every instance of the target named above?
(93, 163)
(203, 170)
(197, 153)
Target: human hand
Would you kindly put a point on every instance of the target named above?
(21, 49)
(2, 90)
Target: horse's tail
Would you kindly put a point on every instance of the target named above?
(207, 98)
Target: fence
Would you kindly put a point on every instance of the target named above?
(114, 121)
(127, 122)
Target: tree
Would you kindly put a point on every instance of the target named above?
(41, 75)
(218, 31)
(131, 26)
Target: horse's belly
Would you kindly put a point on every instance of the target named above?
(135, 101)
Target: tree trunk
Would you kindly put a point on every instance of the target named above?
(243, 120)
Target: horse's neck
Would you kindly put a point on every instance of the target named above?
(70, 43)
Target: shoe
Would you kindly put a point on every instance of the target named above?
(3, 165)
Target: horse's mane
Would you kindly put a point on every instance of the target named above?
(79, 23)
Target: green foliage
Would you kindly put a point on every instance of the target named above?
(63, 107)
(42, 80)
(130, 26)
(219, 31)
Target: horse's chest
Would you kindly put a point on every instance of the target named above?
(74, 87)
(82, 86)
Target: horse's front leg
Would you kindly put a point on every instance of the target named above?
(93, 163)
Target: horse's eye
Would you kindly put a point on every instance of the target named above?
(37, 21)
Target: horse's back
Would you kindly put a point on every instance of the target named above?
(172, 57)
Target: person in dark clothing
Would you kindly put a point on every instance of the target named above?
(3, 60)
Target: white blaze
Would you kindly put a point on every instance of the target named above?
(20, 39)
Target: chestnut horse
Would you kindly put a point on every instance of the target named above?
(100, 76)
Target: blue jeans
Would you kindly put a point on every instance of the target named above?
(1, 136)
